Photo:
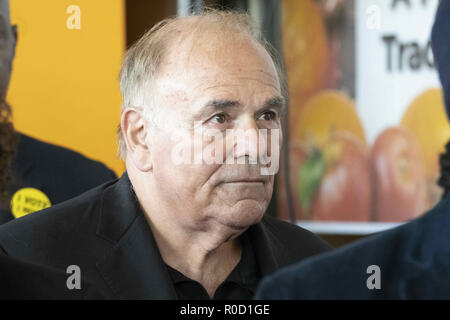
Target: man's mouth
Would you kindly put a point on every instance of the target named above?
(247, 180)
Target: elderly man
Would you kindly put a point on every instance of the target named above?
(408, 262)
(186, 220)
(54, 173)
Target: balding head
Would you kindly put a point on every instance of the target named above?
(184, 39)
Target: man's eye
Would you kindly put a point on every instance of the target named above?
(268, 116)
(219, 118)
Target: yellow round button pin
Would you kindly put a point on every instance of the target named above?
(28, 200)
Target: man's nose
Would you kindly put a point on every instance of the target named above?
(246, 144)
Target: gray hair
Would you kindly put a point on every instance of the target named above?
(141, 62)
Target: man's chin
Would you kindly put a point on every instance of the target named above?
(243, 219)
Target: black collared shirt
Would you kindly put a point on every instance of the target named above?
(240, 284)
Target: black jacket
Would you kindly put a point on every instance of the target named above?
(20, 280)
(414, 262)
(105, 233)
(58, 172)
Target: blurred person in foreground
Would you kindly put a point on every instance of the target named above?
(186, 220)
(408, 262)
(56, 173)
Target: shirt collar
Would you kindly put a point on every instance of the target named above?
(245, 273)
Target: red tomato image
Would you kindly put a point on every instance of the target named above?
(398, 177)
(331, 183)
(344, 193)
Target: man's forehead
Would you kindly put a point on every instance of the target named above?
(203, 67)
(189, 87)
(215, 51)
(196, 69)
(200, 101)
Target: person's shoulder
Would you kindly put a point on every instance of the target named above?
(294, 237)
(431, 230)
(416, 240)
(67, 222)
(324, 276)
(410, 255)
(22, 280)
(56, 157)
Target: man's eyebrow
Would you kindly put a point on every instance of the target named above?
(216, 105)
(278, 103)
(222, 103)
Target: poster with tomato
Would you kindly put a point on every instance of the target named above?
(367, 118)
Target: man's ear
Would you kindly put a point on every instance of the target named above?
(135, 131)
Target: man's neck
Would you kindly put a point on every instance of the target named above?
(206, 255)
(199, 256)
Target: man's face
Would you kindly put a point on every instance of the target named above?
(7, 47)
(222, 87)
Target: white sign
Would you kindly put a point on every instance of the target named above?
(394, 61)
